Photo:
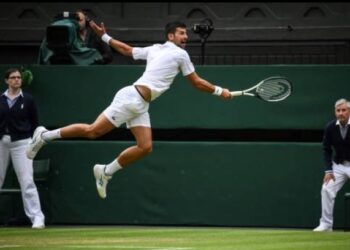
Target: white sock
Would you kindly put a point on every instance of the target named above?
(112, 167)
(51, 135)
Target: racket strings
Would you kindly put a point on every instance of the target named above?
(274, 89)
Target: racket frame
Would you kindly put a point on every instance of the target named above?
(246, 91)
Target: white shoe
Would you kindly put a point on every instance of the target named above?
(38, 224)
(101, 180)
(36, 142)
(323, 228)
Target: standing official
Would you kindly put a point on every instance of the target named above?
(18, 120)
(336, 152)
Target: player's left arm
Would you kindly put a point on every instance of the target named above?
(205, 86)
(119, 46)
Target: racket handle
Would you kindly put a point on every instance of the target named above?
(236, 93)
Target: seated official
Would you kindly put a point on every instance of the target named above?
(89, 39)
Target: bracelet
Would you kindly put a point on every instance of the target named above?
(106, 38)
(218, 90)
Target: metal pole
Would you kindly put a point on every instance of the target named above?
(203, 50)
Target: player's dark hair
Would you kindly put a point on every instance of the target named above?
(172, 26)
(10, 71)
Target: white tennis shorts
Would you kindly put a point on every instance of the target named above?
(128, 106)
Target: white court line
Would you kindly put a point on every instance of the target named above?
(131, 247)
(116, 247)
(174, 248)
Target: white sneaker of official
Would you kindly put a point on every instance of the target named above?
(38, 223)
(323, 228)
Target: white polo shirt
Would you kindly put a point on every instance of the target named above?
(164, 62)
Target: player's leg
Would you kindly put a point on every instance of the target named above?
(103, 173)
(143, 147)
(103, 124)
(140, 127)
(137, 119)
(41, 135)
(131, 109)
(100, 127)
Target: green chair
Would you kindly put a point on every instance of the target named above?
(41, 171)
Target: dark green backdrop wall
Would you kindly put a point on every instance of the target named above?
(191, 183)
(74, 93)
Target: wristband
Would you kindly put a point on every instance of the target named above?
(218, 90)
(106, 38)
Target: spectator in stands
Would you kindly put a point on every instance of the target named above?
(131, 103)
(336, 152)
(89, 39)
(18, 119)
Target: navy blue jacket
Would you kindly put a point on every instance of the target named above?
(20, 120)
(333, 141)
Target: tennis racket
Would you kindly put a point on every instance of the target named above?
(272, 89)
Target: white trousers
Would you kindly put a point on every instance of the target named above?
(24, 170)
(329, 192)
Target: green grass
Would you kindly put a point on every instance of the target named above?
(170, 238)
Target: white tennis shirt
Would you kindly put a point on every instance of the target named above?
(164, 62)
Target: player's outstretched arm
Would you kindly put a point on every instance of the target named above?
(205, 86)
(119, 46)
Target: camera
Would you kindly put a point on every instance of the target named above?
(62, 44)
(204, 28)
(66, 15)
(61, 34)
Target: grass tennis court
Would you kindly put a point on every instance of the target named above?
(170, 238)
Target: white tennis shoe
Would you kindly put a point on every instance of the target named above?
(323, 228)
(39, 223)
(36, 142)
(101, 180)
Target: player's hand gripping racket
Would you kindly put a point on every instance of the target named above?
(272, 89)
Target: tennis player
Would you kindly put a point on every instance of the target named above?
(130, 104)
